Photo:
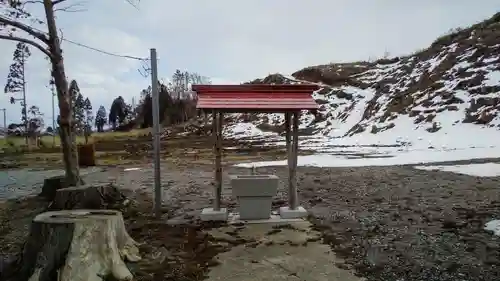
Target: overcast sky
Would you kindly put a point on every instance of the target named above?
(231, 41)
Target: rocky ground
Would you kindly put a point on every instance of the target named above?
(388, 223)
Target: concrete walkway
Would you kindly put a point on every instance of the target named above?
(277, 252)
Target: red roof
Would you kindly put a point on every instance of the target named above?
(249, 98)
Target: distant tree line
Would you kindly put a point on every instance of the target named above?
(177, 105)
(177, 102)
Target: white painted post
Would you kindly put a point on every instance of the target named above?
(156, 134)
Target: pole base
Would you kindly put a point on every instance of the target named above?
(287, 213)
(209, 214)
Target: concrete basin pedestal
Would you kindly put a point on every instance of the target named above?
(254, 194)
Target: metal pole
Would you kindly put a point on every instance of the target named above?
(133, 107)
(25, 106)
(156, 134)
(53, 116)
(4, 121)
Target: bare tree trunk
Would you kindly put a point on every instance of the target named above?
(64, 100)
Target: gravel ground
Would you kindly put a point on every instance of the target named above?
(388, 223)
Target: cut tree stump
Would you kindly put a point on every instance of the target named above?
(88, 197)
(51, 185)
(77, 245)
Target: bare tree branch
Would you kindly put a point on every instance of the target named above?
(27, 41)
(55, 2)
(133, 4)
(61, 36)
(32, 2)
(73, 8)
(69, 10)
(39, 35)
(30, 17)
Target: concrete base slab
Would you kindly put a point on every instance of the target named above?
(287, 213)
(234, 218)
(209, 214)
(291, 253)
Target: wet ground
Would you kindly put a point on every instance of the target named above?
(388, 223)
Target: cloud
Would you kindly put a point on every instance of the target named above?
(231, 41)
(102, 77)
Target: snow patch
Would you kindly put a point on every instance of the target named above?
(493, 226)
(245, 130)
(477, 170)
(383, 159)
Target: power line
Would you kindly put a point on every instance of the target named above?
(104, 52)
(92, 48)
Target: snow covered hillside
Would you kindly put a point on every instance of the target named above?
(445, 96)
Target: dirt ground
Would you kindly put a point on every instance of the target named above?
(193, 149)
(387, 223)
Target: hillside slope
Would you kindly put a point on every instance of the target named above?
(448, 90)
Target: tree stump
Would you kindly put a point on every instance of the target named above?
(86, 155)
(51, 185)
(77, 245)
(88, 197)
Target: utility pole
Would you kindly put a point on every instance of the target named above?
(186, 87)
(25, 113)
(4, 121)
(133, 102)
(53, 115)
(156, 134)
(133, 107)
(24, 104)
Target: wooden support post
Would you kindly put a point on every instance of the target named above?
(217, 132)
(294, 159)
(219, 148)
(289, 155)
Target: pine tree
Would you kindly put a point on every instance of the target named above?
(35, 120)
(16, 82)
(129, 116)
(80, 115)
(89, 117)
(77, 108)
(100, 119)
(117, 112)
